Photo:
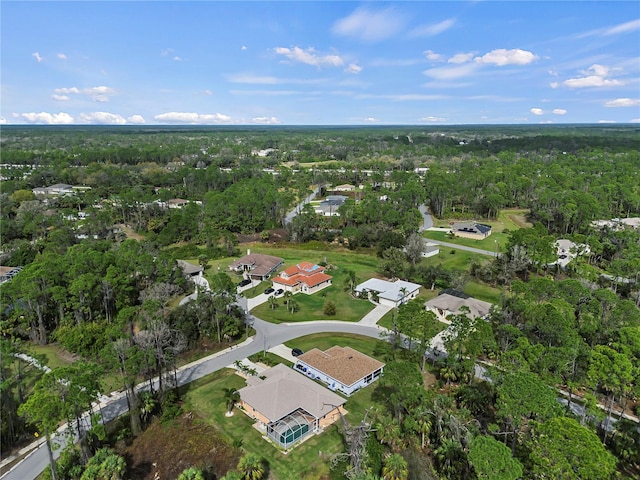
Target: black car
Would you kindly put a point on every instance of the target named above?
(269, 290)
(279, 292)
(296, 352)
(244, 282)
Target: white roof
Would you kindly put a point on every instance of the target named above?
(452, 304)
(388, 290)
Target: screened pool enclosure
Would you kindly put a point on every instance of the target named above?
(291, 429)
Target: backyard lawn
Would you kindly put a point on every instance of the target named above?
(309, 460)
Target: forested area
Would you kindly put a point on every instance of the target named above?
(100, 279)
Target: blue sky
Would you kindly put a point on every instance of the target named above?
(319, 63)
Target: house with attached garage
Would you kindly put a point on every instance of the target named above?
(342, 368)
(288, 406)
(477, 231)
(391, 294)
(453, 302)
(305, 277)
(257, 266)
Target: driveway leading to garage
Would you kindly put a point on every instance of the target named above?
(257, 300)
(372, 318)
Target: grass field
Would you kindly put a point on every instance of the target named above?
(508, 220)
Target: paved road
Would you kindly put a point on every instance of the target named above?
(462, 247)
(289, 217)
(268, 335)
(427, 220)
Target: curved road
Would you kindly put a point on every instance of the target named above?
(267, 335)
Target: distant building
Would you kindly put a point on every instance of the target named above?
(305, 277)
(7, 273)
(477, 231)
(330, 205)
(57, 189)
(568, 250)
(346, 187)
(451, 302)
(391, 294)
(257, 265)
(341, 368)
(189, 269)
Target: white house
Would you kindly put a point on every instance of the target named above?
(341, 368)
(391, 294)
(447, 304)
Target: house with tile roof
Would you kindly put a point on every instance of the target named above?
(305, 277)
(257, 266)
(288, 406)
(341, 368)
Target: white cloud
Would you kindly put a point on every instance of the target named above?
(102, 118)
(448, 73)
(166, 51)
(243, 47)
(46, 117)
(3, 121)
(192, 118)
(97, 94)
(369, 25)
(353, 68)
(60, 98)
(208, 93)
(37, 56)
(633, 120)
(432, 119)
(623, 28)
(623, 102)
(61, 56)
(537, 111)
(433, 29)
(310, 57)
(266, 120)
(554, 84)
(461, 58)
(502, 57)
(607, 121)
(559, 111)
(136, 119)
(594, 76)
(433, 56)
(370, 120)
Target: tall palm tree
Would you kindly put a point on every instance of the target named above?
(395, 467)
(351, 281)
(231, 397)
(251, 467)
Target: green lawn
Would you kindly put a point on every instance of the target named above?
(493, 241)
(323, 341)
(52, 354)
(309, 460)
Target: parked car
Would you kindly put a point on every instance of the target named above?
(244, 282)
(296, 352)
(269, 290)
(279, 292)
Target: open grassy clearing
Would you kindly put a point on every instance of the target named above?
(323, 341)
(491, 243)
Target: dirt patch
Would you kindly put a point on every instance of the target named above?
(128, 231)
(163, 451)
(519, 219)
(429, 379)
(279, 235)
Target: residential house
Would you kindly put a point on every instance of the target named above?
(330, 205)
(346, 187)
(430, 250)
(177, 203)
(341, 368)
(453, 302)
(474, 230)
(257, 266)
(568, 250)
(391, 294)
(189, 269)
(7, 273)
(289, 406)
(57, 189)
(305, 277)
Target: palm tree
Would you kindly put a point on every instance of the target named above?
(251, 467)
(450, 458)
(287, 296)
(395, 467)
(351, 281)
(293, 306)
(232, 475)
(272, 302)
(231, 397)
